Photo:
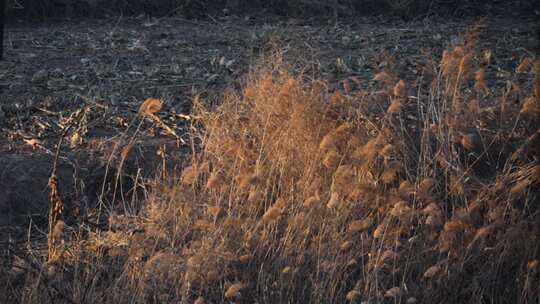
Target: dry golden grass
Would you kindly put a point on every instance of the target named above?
(301, 195)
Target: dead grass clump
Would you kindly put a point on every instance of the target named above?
(298, 194)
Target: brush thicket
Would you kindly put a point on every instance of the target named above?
(421, 191)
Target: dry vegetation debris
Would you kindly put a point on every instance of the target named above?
(413, 179)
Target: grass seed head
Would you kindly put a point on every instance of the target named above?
(255, 195)
(532, 265)
(345, 246)
(525, 65)
(189, 175)
(353, 295)
(480, 82)
(58, 231)
(379, 231)
(360, 225)
(394, 107)
(400, 209)
(406, 188)
(392, 292)
(150, 106)
(331, 159)
(469, 141)
(530, 107)
(271, 214)
(312, 202)
(400, 89)
(334, 201)
(520, 186)
(344, 179)
(244, 259)
(215, 181)
(425, 187)
(382, 76)
(199, 300)
(234, 290)
(432, 271)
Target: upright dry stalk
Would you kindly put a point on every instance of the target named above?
(55, 215)
(56, 208)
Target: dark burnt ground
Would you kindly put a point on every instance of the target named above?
(90, 76)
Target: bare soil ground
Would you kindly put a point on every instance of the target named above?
(86, 79)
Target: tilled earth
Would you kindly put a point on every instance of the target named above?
(83, 81)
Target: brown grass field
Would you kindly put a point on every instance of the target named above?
(286, 180)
